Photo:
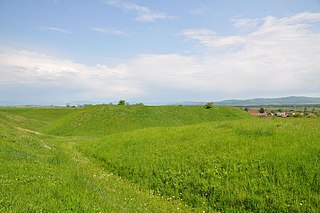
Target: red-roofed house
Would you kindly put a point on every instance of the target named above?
(253, 112)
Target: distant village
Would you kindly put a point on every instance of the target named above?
(285, 113)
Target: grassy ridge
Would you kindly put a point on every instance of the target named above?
(219, 159)
(246, 165)
(43, 173)
(107, 119)
(34, 118)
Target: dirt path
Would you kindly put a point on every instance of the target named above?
(119, 194)
(28, 130)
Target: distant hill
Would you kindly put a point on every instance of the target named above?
(292, 100)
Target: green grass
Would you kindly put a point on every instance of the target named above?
(246, 165)
(107, 119)
(33, 118)
(156, 159)
(43, 173)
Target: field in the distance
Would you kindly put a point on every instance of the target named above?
(158, 159)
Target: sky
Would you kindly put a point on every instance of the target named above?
(157, 51)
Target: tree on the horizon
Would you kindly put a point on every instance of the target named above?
(122, 102)
(262, 110)
(208, 105)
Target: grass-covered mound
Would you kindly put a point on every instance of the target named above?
(35, 118)
(108, 158)
(43, 173)
(107, 119)
(245, 165)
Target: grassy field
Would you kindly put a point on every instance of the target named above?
(157, 159)
(107, 119)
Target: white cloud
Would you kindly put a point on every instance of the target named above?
(143, 14)
(289, 28)
(24, 69)
(54, 29)
(302, 17)
(280, 57)
(110, 31)
(244, 24)
(211, 39)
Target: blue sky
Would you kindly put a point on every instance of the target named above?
(157, 51)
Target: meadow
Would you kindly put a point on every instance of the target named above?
(110, 158)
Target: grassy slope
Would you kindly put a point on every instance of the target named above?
(245, 165)
(33, 118)
(45, 173)
(108, 119)
(241, 164)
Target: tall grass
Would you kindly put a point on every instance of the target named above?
(108, 119)
(246, 165)
(109, 158)
(43, 173)
(34, 118)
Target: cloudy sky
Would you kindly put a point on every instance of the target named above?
(157, 51)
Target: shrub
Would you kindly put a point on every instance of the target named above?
(208, 105)
(122, 102)
(262, 110)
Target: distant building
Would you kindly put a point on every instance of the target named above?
(282, 114)
(262, 114)
(270, 114)
(256, 113)
(253, 112)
